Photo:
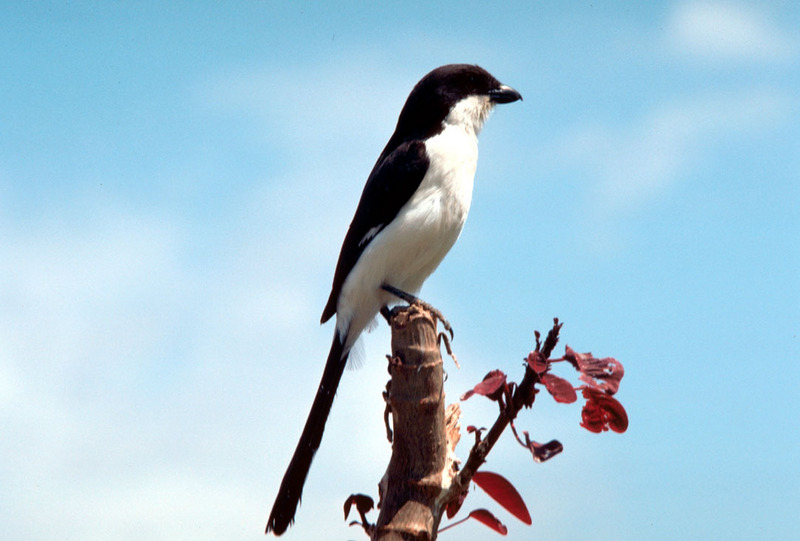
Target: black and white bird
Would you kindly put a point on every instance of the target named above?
(411, 212)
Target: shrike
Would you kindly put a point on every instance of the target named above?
(411, 212)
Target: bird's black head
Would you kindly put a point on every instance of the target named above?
(435, 96)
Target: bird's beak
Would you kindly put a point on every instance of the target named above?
(504, 94)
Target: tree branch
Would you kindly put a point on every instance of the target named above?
(423, 479)
(523, 395)
(421, 460)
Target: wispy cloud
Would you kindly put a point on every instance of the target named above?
(123, 360)
(721, 31)
(125, 356)
(628, 167)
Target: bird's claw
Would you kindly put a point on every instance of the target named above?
(443, 338)
(413, 300)
(416, 301)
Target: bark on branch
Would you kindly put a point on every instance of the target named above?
(422, 463)
(423, 476)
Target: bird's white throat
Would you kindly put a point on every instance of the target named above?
(470, 113)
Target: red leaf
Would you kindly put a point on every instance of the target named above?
(485, 517)
(504, 493)
(560, 388)
(602, 411)
(491, 386)
(537, 362)
(572, 356)
(362, 502)
(608, 370)
(454, 506)
(543, 451)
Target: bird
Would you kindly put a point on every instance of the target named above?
(412, 209)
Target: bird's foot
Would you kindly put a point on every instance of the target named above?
(416, 301)
(443, 338)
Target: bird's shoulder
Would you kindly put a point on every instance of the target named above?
(395, 177)
(400, 167)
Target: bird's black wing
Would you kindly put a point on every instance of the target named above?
(393, 181)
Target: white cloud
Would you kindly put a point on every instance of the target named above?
(97, 313)
(629, 167)
(78, 288)
(134, 376)
(718, 31)
(138, 385)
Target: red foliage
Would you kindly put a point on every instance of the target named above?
(485, 517)
(601, 379)
(602, 411)
(542, 451)
(504, 493)
(454, 506)
(560, 388)
(604, 374)
(537, 362)
(492, 386)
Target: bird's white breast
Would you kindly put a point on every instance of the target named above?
(410, 248)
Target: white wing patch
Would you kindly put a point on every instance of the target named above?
(370, 234)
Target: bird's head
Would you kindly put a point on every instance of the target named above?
(461, 94)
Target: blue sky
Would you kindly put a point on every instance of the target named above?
(175, 182)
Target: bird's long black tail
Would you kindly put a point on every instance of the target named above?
(283, 510)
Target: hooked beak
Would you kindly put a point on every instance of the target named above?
(504, 94)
